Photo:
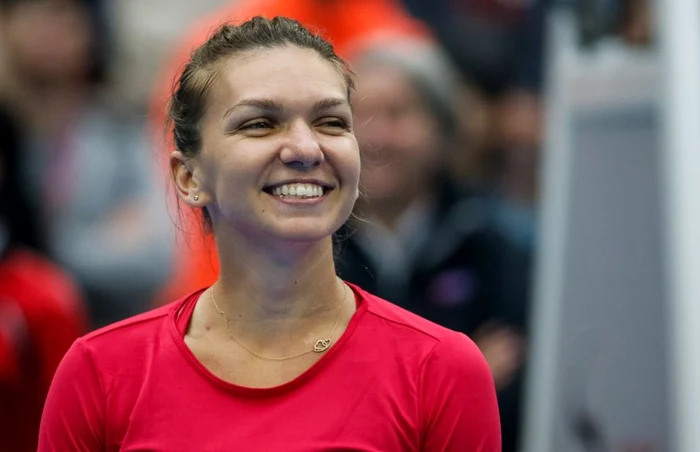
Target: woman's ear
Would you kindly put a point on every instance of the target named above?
(184, 172)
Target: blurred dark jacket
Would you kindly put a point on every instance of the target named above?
(458, 271)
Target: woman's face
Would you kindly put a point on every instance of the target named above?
(279, 158)
(397, 132)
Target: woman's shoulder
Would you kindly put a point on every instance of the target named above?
(136, 333)
(135, 325)
(393, 324)
(401, 321)
(447, 353)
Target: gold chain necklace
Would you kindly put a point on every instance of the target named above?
(320, 346)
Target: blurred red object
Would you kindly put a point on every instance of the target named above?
(41, 314)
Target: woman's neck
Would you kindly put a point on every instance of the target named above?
(260, 288)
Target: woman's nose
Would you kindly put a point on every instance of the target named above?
(302, 149)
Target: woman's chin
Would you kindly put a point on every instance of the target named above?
(303, 230)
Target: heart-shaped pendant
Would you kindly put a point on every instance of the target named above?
(322, 345)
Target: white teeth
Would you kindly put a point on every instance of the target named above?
(299, 190)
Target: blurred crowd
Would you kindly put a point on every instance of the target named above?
(448, 117)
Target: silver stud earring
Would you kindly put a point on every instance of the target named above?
(196, 197)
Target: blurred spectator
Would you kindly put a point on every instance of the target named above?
(346, 23)
(41, 311)
(141, 33)
(628, 20)
(498, 45)
(499, 48)
(419, 240)
(636, 23)
(85, 165)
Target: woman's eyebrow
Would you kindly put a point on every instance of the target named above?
(330, 102)
(272, 106)
(267, 105)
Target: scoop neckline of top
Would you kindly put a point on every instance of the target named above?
(181, 316)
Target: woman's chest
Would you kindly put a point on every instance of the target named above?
(360, 412)
(238, 366)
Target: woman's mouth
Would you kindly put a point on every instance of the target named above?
(298, 190)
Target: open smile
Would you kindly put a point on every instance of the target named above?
(299, 191)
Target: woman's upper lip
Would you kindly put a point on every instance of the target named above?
(300, 181)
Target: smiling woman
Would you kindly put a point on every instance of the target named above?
(285, 121)
(279, 354)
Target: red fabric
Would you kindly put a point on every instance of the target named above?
(393, 382)
(348, 24)
(41, 314)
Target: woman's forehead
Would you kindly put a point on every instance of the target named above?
(285, 72)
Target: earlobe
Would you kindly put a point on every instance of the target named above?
(182, 172)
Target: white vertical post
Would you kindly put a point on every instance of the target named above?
(679, 34)
(539, 416)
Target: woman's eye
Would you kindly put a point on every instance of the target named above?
(256, 125)
(334, 123)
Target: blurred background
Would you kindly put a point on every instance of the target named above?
(528, 167)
